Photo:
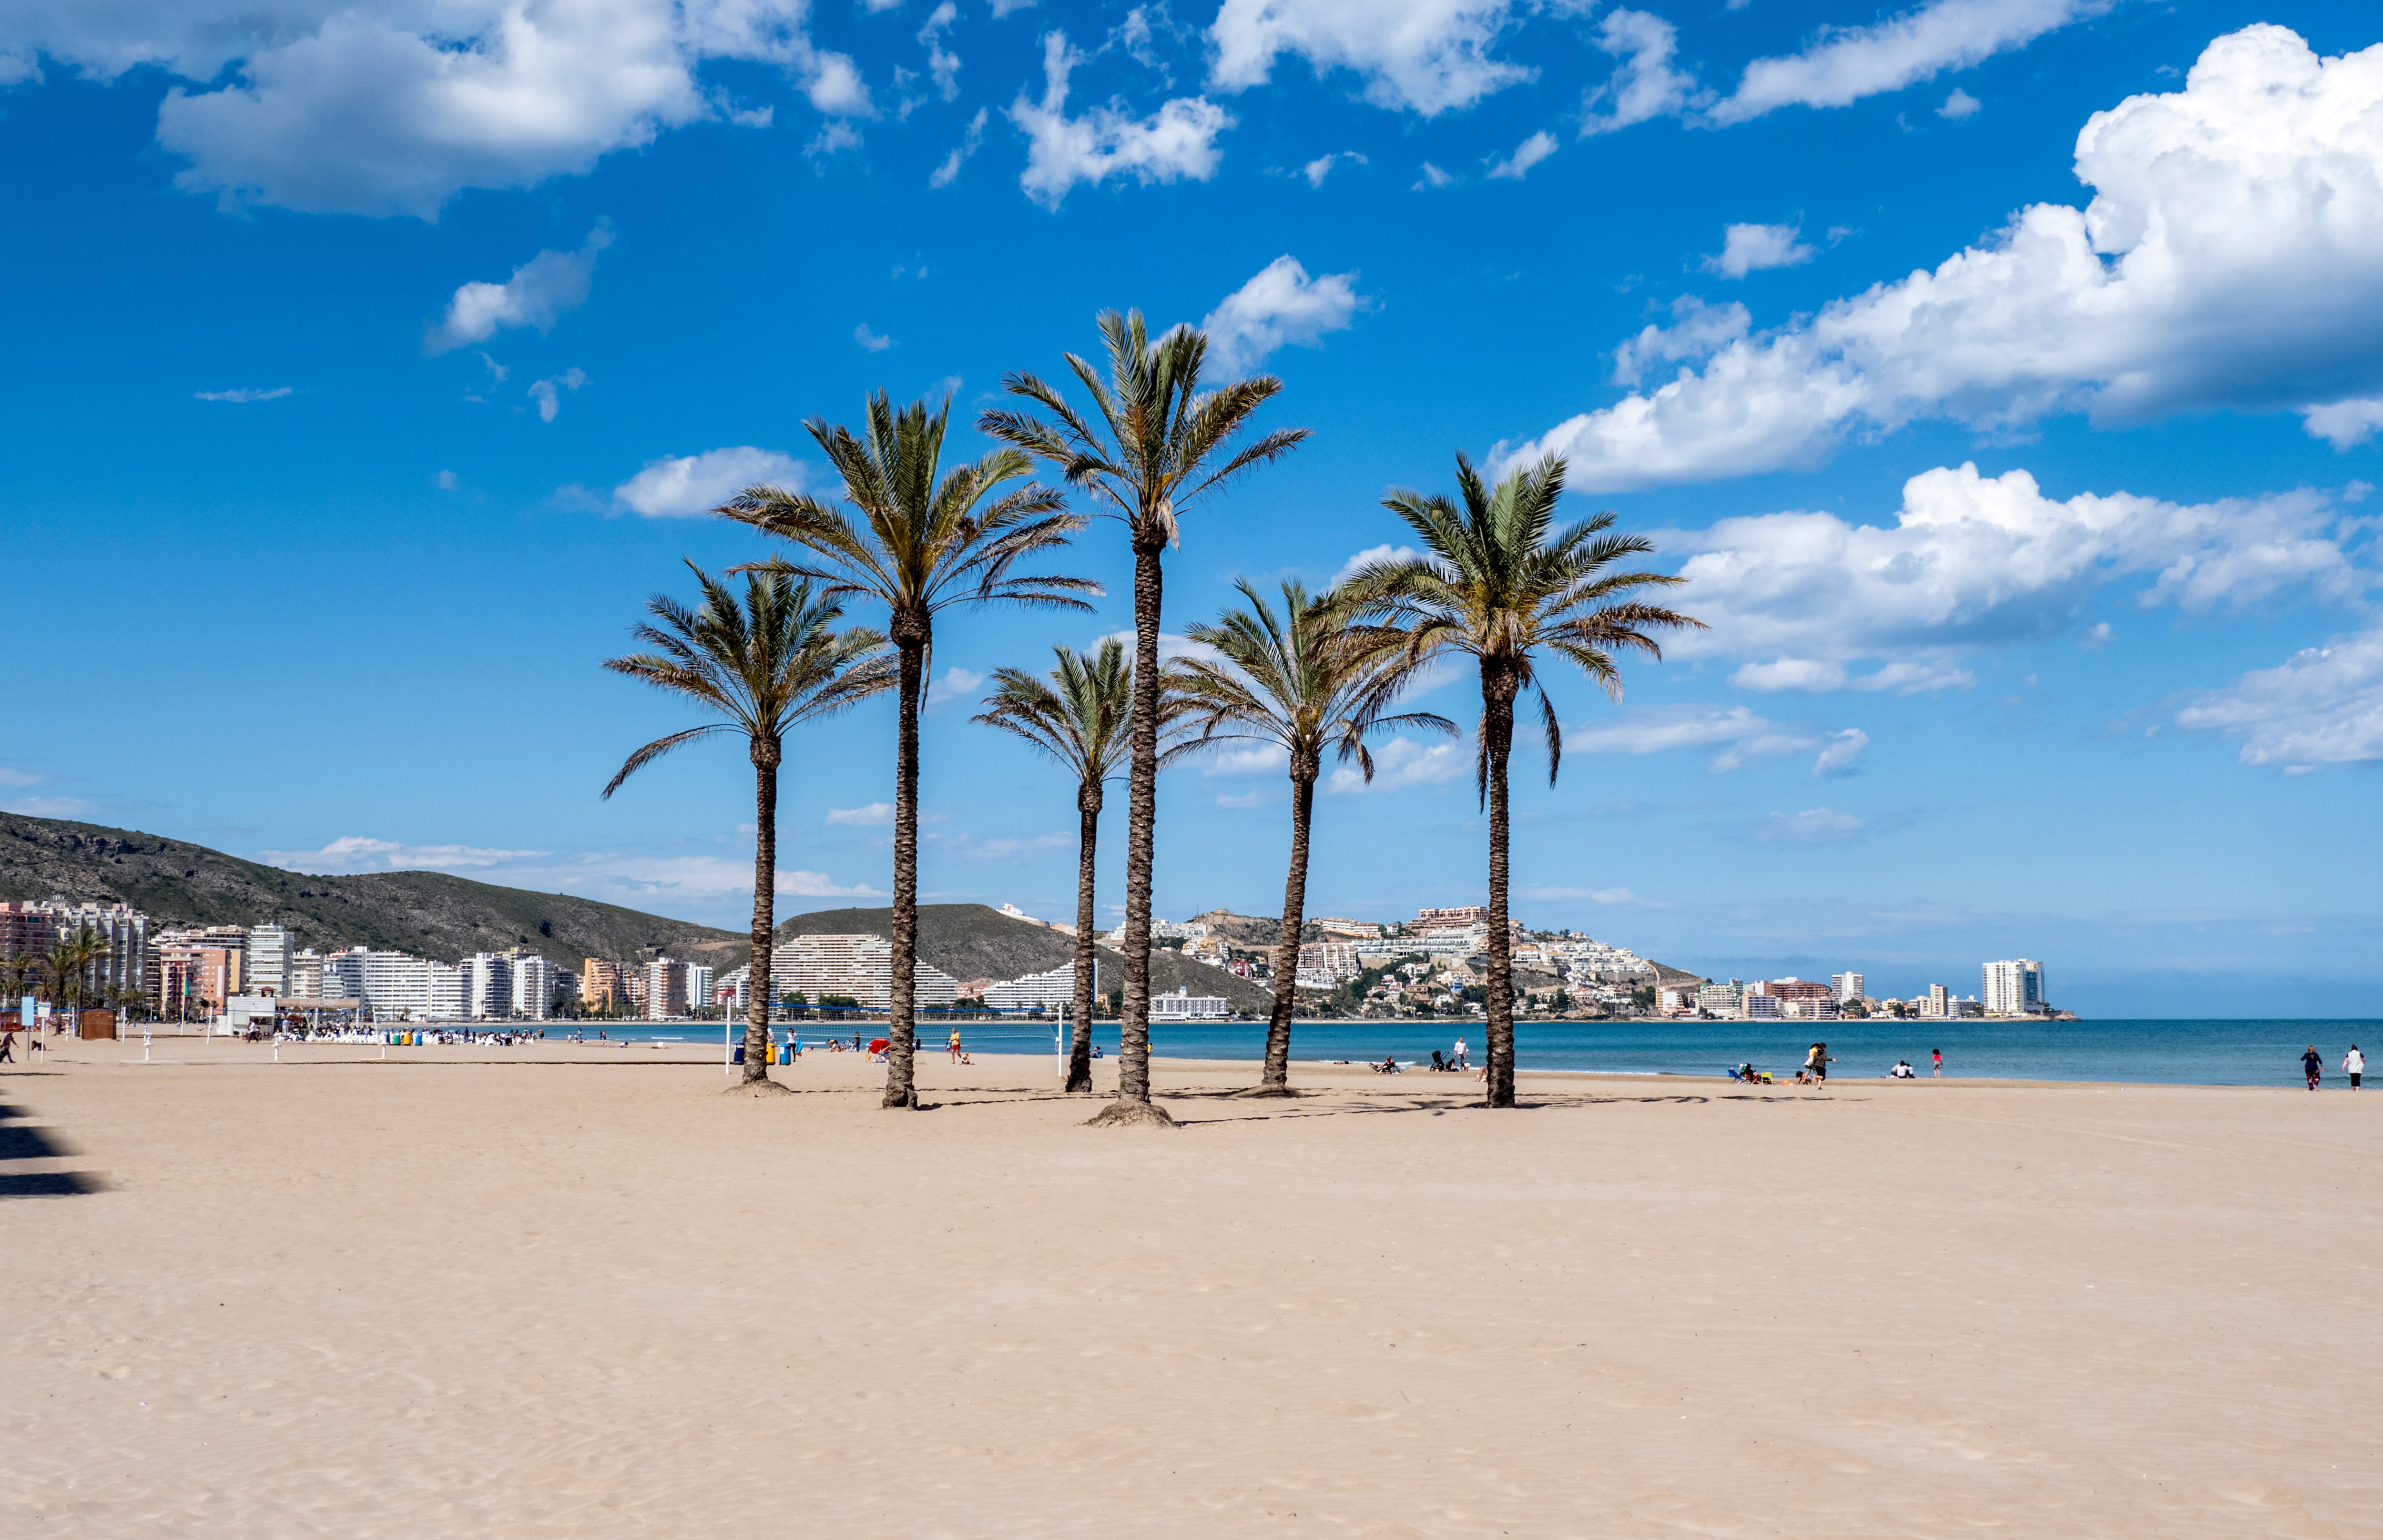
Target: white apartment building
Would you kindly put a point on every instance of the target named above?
(857, 965)
(487, 985)
(268, 960)
(1847, 985)
(2014, 987)
(1722, 1000)
(700, 987)
(534, 985)
(343, 975)
(1052, 991)
(450, 992)
(1162, 929)
(1939, 999)
(1327, 964)
(393, 982)
(1183, 1006)
(303, 977)
(125, 931)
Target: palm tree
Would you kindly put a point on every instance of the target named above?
(1497, 583)
(1158, 446)
(1308, 680)
(1082, 717)
(68, 962)
(921, 544)
(766, 664)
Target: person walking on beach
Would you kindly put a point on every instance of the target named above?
(1458, 1058)
(955, 1045)
(2312, 1066)
(2354, 1064)
(1938, 1054)
(1816, 1063)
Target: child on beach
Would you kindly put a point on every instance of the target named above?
(1938, 1054)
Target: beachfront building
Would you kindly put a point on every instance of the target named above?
(533, 981)
(1183, 1006)
(1727, 1001)
(601, 985)
(186, 967)
(450, 992)
(488, 985)
(700, 987)
(268, 960)
(665, 988)
(124, 930)
(395, 982)
(858, 966)
(1759, 1006)
(1795, 989)
(1326, 965)
(342, 975)
(1848, 986)
(2015, 987)
(1051, 991)
(303, 977)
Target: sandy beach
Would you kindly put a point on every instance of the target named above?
(577, 1292)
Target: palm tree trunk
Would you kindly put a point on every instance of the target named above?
(901, 1029)
(766, 757)
(1276, 1080)
(1497, 692)
(1141, 824)
(1079, 1054)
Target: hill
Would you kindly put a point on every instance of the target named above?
(427, 913)
(971, 941)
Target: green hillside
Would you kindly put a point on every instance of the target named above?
(427, 913)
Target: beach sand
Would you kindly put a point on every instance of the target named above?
(577, 1292)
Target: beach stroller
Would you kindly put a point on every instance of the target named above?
(1438, 1060)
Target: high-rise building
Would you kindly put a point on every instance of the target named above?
(303, 977)
(2014, 987)
(700, 987)
(1848, 986)
(268, 960)
(26, 930)
(665, 988)
(861, 966)
(450, 992)
(1047, 992)
(396, 981)
(1939, 1000)
(343, 975)
(1327, 964)
(533, 995)
(488, 986)
(124, 932)
(601, 985)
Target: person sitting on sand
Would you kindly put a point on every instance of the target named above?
(1902, 1071)
(1388, 1066)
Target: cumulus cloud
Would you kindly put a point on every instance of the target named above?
(1644, 84)
(948, 172)
(1755, 247)
(1737, 735)
(1372, 554)
(1426, 56)
(1959, 104)
(1975, 560)
(1177, 140)
(392, 107)
(244, 396)
(538, 292)
(353, 853)
(1532, 150)
(870, 339)
(547, 392)
(956, 683)
(1848, 63)
(942, 63)
(2322, 707)
(696, 484)
(1321, 167)
(2226, 261)
(876, 815)
(2345, 424)
(1280, 307)
(1404, 762)
(1433, 177)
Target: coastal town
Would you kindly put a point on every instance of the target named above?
(59, 956)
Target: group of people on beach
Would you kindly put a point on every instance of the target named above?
(2354, 1064)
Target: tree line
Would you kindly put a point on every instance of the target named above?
(1497, 583)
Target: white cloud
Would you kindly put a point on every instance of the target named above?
(1756, 248)
(1008, 7)
(948, 172)
(834, 137)
(1177, 140)
(537, 295)
(1697, 330)
(2322, 707)
(1433, 177)
(1256, 796)
(244, 396)
(1975, 560)
(46, 806)
(870, 339)
(2099, 635)
(956, 684)
(1420, 55)
(696, 484)
(1543, 892)
(547, 392)
(1321, 167)
(2226, 261)
(447, 481)
(1849, 63)
(1644, 84)
(1739, 735)
(1233, 757)
(942, 63)
(12, 777)
(1959, 104)
(1404, 762)
(353, 853)
(2344, 424)
(1812, 826)
(1372, 554)
(1280, 307)
(392, 107)
(1532, 150)
(876, 815)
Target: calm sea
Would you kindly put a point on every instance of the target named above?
(2227, 1053)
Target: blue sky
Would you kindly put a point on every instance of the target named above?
(2005, 375)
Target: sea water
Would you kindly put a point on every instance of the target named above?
(2229, 1053)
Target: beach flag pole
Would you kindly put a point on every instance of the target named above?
(726, 1065)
